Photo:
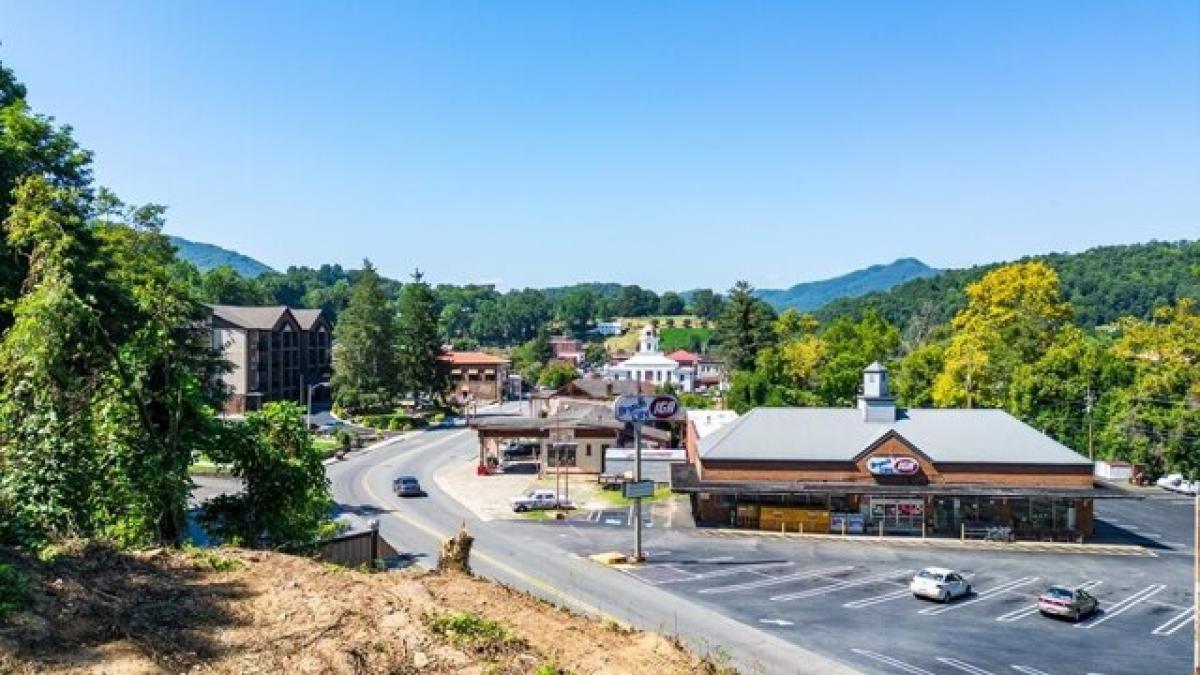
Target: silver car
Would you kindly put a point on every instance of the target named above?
(939, 583)
(1072, 603)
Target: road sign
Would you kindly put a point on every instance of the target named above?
(646, 408)
(635, 489)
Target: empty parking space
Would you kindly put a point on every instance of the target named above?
(854, 600)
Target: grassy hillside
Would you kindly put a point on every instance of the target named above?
(811, 295)
(1102, 283)
(208, 256)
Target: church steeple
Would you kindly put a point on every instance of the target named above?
(649, 340)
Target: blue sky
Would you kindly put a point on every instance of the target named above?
(674, 145)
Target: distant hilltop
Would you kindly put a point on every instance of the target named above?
(209, 256)
(812, 295)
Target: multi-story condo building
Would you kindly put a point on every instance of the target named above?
(274, 353)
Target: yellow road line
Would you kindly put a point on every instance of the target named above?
(531, 580)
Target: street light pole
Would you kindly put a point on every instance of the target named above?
(638, 555)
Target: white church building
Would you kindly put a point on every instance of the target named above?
(651, 365)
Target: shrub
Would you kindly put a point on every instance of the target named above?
(14, 590)
(467, 629)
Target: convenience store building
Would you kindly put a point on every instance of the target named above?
(879, 469)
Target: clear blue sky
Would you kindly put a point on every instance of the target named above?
(673, 145)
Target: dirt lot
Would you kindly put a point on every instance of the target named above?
(231, 611)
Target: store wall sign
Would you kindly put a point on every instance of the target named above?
(893, 466)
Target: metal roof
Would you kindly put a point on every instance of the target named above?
(841, 434)
(259, 318)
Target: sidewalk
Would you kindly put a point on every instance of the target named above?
(938, 542)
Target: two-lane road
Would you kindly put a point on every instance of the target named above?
(524, 555)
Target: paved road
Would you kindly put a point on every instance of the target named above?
(532, 558)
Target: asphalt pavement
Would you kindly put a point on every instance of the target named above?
(534, 559)
(780, 606)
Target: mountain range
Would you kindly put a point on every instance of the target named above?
(208, 256)
(812, 295)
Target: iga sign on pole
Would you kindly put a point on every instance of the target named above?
(646, 408)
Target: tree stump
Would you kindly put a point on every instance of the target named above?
(456, 552)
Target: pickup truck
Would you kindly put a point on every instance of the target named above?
(538, 499)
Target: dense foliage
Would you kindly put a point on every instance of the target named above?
(1102, 284)
(108, 382)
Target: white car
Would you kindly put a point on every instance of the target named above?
(1170, 482)
(538, 499)
(939, 583)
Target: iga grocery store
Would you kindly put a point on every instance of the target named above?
(879, 469)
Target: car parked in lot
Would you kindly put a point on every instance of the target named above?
(538, 499)
(1072, 603)
(520, 467)
(939, 583)
(407, 486)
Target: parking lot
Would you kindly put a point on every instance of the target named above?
(852, 601)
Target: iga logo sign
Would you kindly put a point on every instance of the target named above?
(647, 409)
(893, 466)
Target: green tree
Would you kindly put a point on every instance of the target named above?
(556, 374)
(286, 498)
(595, 354)
(707, 305)
(366, 373)
(745, 327)
(575, 310)
(223, 286)
(417, 343)
(670, 304)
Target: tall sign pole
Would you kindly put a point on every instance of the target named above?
(637, 410)
(1196, 587)
(638, 554)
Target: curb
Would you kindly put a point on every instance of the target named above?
(971, 545)
(362, 451)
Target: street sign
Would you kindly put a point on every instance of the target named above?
(647, 408)
(635, 489)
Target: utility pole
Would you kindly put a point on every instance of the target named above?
(1088, 407)
(1196, 586)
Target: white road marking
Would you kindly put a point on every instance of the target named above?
(842, 585)
(895, 663)
(719, 558)
(1125, 605)
(964, 666)
(1029, 671)
(773, 581)
(1176, 622)
(777, 622)
(981, 595)
(877, 599)
(1021, 613)
(629, 521)
(1152, 535)
(612, 521)
(738, 570)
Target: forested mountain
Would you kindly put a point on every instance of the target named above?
(210, 256)
(811, 295)
(1102, 284)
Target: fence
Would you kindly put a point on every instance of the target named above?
(353, 549)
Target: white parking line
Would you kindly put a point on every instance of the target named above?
(877, 599)
(981, 595)
(629, 520)
(719, 558)
(964, 666)
(1029, 671)
(1176, 622)
(774, 581)
(1021, 613)
(729, 571)
(895, 663)
(612, 521)
(1124, 605)
(842, 585)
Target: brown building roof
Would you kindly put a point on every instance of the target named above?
(599, 388)
(307, 318)
(472, 359)
(257, 318)
(683, 356)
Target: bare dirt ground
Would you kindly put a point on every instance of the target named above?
(95, 610)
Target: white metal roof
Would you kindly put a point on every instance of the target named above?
(840, 434)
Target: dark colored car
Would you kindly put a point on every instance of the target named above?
(407, 486)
